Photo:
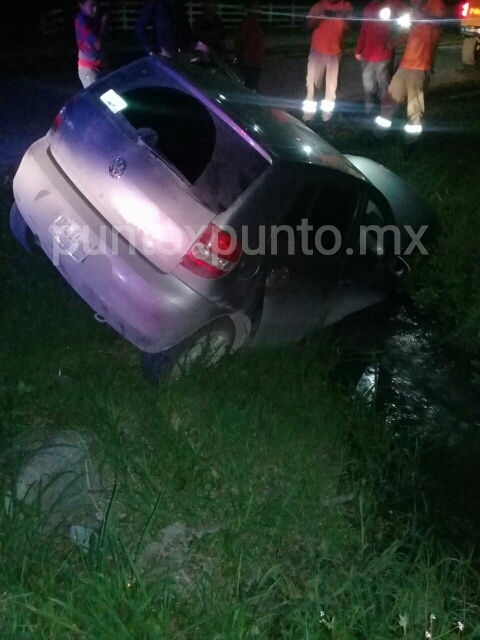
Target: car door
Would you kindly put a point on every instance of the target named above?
(371, 248)
(305, 256)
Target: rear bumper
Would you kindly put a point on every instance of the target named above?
(152, 310)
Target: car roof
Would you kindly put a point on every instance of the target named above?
(273, 130)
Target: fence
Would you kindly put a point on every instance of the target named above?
(52, 21)
(123, 15)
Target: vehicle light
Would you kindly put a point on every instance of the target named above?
(385, 13)
(113, 101)
(214, 254)
(58, 119)
(465, 8)
(404, 21)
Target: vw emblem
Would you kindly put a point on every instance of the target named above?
(117, 167)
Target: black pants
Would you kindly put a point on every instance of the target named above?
(251, 76)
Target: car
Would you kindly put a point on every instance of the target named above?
(172, 200)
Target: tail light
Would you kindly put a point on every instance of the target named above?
(58, 119)
(464, 9)
(61, 115)
(214, 254)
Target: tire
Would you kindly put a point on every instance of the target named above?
(155, 366)
(20, 229)
(469, 51)
(205, 348)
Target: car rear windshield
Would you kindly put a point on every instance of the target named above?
(175, 125)
(218, 161)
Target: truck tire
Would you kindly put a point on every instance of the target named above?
(469, 51)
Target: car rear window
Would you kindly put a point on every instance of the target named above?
(175, 125)
(219, 162)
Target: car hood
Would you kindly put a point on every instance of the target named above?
(408, 208)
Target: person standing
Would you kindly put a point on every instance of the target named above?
(328, 19)
(171, 29)
(250, 49)
(209, 30)
(375, 49)
(413, 75)
(89, 30)
(184, 37)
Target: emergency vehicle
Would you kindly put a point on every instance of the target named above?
(470, 27)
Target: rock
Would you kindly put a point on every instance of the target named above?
(82, 536)
(62, 482)
(169, 549)
(172, 554)
(346, 497)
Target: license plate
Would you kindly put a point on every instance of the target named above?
(72, 238)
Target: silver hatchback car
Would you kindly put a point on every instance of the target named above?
(194, 219)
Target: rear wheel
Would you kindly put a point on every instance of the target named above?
(20, 229)
(470, 51)
(203, 349)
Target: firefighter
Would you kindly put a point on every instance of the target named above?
(414, 72)
(375, 49)
(329, 21)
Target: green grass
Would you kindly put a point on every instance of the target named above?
(447, 285)
(254, 454)
(444, 168)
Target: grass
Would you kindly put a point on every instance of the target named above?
(297, 511)
(448, 284)
(255, 453)
(443, 167)
(282, 480)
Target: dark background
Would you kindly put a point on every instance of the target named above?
(20, 24)
(21, 18)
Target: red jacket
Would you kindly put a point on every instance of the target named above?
(374, 33)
